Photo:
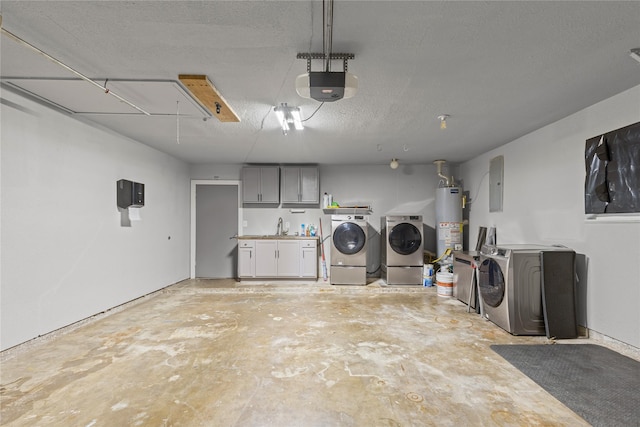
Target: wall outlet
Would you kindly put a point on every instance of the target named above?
(245, 224)
(286, 225)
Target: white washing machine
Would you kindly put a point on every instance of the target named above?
(349, 249)
(510, 285)
(402, 255)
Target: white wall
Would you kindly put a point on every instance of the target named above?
(544, 175)
(65, 255)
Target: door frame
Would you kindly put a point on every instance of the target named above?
(194, 183)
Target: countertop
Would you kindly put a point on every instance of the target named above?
(274, 237)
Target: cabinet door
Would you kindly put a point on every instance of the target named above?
(260, 184)
(309, 185)
(300, 185)
(250, 185)
(290, 185)
(266, 258)
(288, 258)
(270, 184)
(309, 259)
(246, 259)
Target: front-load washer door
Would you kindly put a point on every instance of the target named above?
(349, 238)
(491, 282)
(405, 245)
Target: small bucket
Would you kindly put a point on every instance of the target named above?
(445, 284)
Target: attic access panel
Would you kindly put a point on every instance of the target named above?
(77, 96)
(206, 93)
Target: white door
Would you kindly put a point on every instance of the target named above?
(216, 225)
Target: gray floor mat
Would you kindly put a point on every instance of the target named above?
(600, 385)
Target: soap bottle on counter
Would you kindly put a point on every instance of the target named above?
(303, 230)
(326, 201)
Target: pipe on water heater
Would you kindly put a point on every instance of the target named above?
(439, 164)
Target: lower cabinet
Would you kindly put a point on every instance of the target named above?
(246, 258)
(272, 258)
(309, 258)
(266, 258)
(288, 258)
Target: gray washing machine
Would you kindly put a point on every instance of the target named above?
(402, 255)
(510, 285)
(349, 249)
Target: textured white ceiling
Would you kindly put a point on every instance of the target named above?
(500, 69)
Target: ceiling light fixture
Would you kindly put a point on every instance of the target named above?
(394, 164)
(635, 53)
(443, 120)
(288, 115)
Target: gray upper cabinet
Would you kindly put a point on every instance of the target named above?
(260, 184)
(300, 184)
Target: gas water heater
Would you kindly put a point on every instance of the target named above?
(448, 213)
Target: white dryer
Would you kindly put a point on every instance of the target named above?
(349, 249)
(510, 283)
(402, 255)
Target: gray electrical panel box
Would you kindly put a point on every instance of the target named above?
(129, 194)
(496, 178)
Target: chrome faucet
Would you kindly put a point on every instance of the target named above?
(279, 231)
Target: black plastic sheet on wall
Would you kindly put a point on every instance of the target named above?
(612, 181)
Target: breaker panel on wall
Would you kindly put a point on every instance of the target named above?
(130, 194)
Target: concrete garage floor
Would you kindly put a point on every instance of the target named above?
(221, 353)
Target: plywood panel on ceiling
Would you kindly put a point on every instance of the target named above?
(203, 90)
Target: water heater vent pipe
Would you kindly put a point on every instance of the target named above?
(439, 164)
